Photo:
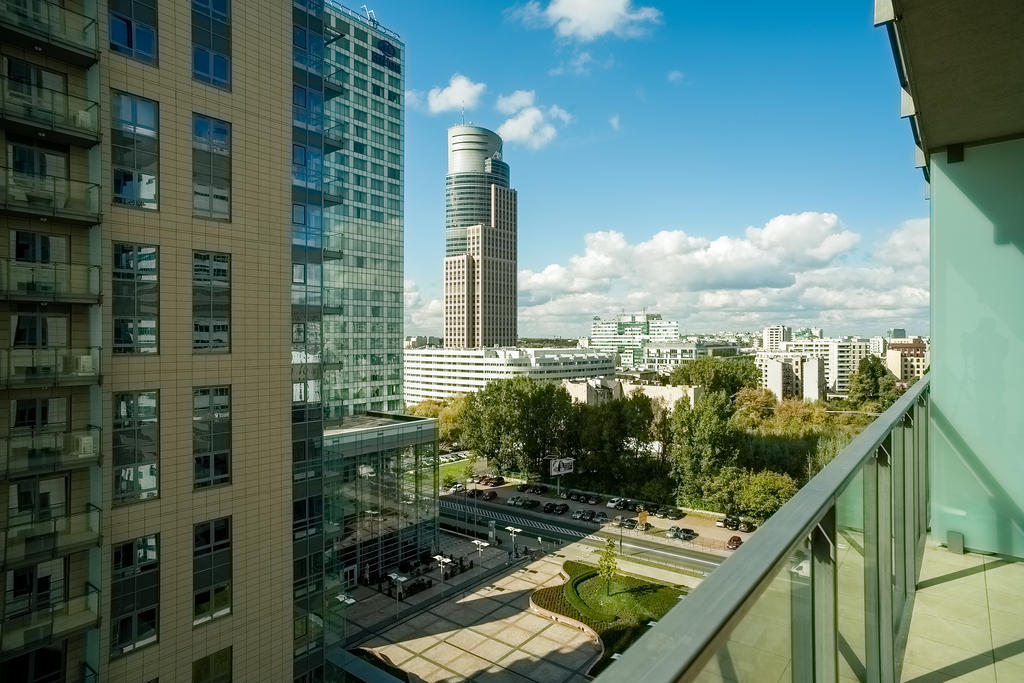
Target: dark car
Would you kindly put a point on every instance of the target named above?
(530, 503)
(621, 505)
(661, 512)
(593, 500)
(629, 523)
(473, 493)
(574, 496)
(588, 516)
(513, 500)
(561, 509)
(732, 523)
(522, 488)
(734, 542)
(549, 507)
(490, 495)
(601, 517)
(633, 506)
(686, 534)
(747, 526)
(673, 513)
(496, 481)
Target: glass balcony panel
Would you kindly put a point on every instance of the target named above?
(50, 281)
(51, 21)
(30, 537)
(48, 108)
(58, 620)
(48, 195)
(48, 451)
(49, 366)
(850, 580)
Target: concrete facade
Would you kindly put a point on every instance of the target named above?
(628, 333)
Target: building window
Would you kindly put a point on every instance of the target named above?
(211, 42)
(135, 151)
(136, 307)
(211, 435)
(211, 301)
(133, 29)
(136, 445)
(135, 594)
(211, 167)
(215, 668)
(211, 572)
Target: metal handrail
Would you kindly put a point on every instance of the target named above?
(52, 21)
(50, 108)
(669, 650)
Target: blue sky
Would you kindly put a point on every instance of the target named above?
(726, 164)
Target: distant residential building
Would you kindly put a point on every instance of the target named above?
(663, 357)
(442, 373)
(792, 375)
(908, 358)
(627, 333)
(841, 356)
(603, 389)
(775, 335)
(878, 346)
(419, 342)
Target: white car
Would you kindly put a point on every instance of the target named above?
(456, 488)
(612, 503)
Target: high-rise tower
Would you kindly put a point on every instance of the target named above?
(480, 242)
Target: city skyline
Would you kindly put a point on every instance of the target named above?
(647, 88)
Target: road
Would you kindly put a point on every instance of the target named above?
(550, 528)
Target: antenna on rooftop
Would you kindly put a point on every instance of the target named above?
(370, 16)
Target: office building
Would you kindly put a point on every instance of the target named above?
(197, 294)
(901, 560)
(774, 335)
(480, 242)
(663, 357)
(895, 333)
(792, 375)
(627, 333)
(442, 373)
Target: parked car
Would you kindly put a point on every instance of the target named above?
(578, 513)
(531, 503)
(561, 509)
(520, 501)
(674, 514)
(747, 526)
(593, 500)
(512, 500)
(456, 487)
(548, 508)
(734, 542)
(601, 517)
(629, 523)
(617, 520)
(621, 504)
(522, 488)
(564, 495)
(720, 522)
(539, 489)
(643, 526)
(496, 481)
(731, 522)
(613, 502)
(473, 493)
(686, 534)
(588, 516)
(490, 495)
(672, 531)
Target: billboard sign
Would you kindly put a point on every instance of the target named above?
(561, 466)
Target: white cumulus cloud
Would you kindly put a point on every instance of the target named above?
(587, 20)
(510, 104)
(421, 315)
(614, 122)
(460, 93)
(534, 126)
(675, 76)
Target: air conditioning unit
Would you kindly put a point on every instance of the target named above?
(85, 445)
(84, 365)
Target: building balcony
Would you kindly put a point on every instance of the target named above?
(38, 451)
(50, 29)
(33, 195)
(49, 532)
(41, 367)
(825, 590)
(57, 282)
(50, 621)
(48, 114)
(88, 674)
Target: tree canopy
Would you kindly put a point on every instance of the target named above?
(717, 374)
(873, 384)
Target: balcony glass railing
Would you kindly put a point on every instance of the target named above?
(821, 591)
(48, 451)
(48, 195)
(49, 281)
(49, 366)
(48, 532)
(49, 109)
(50, 21)
(52, 621)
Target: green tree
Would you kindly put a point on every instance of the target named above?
(724, 490)
(873, 383)
(607, 564)
(703, 442)
(429, 408)
(765, 492)
(752, 407)
(717, 374)
(449, 419)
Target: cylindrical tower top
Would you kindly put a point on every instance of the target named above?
(469, 147)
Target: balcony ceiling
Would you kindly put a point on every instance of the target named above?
(965, 64)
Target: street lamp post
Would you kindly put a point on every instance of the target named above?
(398, 580)
(480, 545)
(441, 562)
(512, 530)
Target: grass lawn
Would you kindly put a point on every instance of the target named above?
(619, 613)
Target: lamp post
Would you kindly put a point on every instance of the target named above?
(441, 562)
(512, 530)
(398, 579)
(480, 545)
(346, 601)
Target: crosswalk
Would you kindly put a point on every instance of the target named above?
(515, 520)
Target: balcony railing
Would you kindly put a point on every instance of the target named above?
(821, 592)
(44, 195)
(40, 451)
(49, 110)
(49, 366)
(48, 533)
(58, 619)
(51, 23)
(49, 281)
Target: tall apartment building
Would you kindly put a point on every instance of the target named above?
(792, 375)
(480, 292)
(842, 357)
(204, 321)
(774, 335)
(626, 334)
(908, 358)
